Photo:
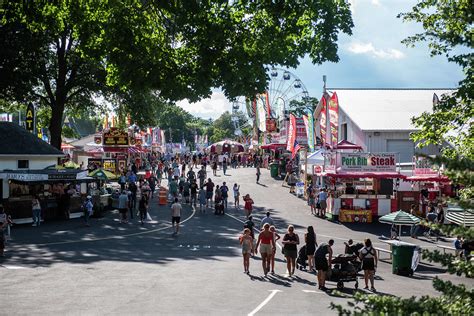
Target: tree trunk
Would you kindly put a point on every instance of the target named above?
(56, 126)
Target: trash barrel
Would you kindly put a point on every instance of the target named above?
(274, 170)
(402, 257)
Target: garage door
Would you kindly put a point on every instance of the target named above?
(406, 148)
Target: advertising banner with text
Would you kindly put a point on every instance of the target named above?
(369, 162)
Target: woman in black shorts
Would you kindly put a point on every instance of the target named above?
(368, 255)
(290, 242)
(310, 241)
(323, 264)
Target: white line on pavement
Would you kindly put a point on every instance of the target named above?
(120, 236)
(313, 291)
(259, 307)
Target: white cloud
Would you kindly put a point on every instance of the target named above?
(369, 49)
(211, 107)
(375, 2)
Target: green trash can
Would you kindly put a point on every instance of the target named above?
(274, 170)
(402, 257)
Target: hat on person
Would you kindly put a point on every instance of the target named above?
(89, 197)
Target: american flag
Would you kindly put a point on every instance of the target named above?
(296, 148)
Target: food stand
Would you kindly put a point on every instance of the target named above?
(361, 186)
(425, 185)
(51, 186)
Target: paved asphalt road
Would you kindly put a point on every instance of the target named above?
(112, 268)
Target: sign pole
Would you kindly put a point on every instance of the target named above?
(305, 171)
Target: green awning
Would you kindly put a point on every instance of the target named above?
(400, 218)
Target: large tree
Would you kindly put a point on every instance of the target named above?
(61, 53)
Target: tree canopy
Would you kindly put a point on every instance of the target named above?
(63, 54)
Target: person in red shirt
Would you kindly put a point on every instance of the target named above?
(266, 240)
(248, 205)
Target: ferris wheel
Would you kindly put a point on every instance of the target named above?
(285, 91)
(241, 105)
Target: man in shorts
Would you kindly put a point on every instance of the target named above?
(209, 191)
(176, 215)
(123, 206)
(322, 200)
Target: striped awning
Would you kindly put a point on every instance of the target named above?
(399, 218)
(460, 217)
(134, 150)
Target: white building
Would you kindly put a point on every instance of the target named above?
(379, 120)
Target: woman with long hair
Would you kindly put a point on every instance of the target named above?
(311, 244)
(290, 250)
(266, 241)
(246, 241)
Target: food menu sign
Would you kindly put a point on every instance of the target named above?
(115, 137)
(369, 162)
(423, 166)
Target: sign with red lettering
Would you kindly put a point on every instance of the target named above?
(369, 162)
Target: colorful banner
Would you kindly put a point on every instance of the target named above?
(369, 162)
(261, 118)
(309, 126)
(323, 120)
(334, 118)
(311, 131)
(267, 105)
(291, 137)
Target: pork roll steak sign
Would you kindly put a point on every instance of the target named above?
(369, 162)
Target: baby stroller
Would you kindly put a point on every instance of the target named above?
(345, 269)
(219, 207)
(302, 258)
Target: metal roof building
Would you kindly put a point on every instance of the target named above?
(380, 119)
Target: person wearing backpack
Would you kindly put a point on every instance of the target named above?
(368, 255)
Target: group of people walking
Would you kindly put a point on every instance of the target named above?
(319, 256)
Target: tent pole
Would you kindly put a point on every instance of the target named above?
(399, 232)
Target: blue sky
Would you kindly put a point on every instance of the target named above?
(373, 57)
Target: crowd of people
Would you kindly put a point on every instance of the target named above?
(319, 257)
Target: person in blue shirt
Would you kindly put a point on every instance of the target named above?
(132, 177)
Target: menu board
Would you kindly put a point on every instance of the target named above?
(115, 137)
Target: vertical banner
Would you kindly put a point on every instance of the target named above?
(306, 126)
(290, 139)
(334, 118)
(261, 115)
(30, 118)
(323, 120)
(267, 104)
(311, 131)
(163, 139)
